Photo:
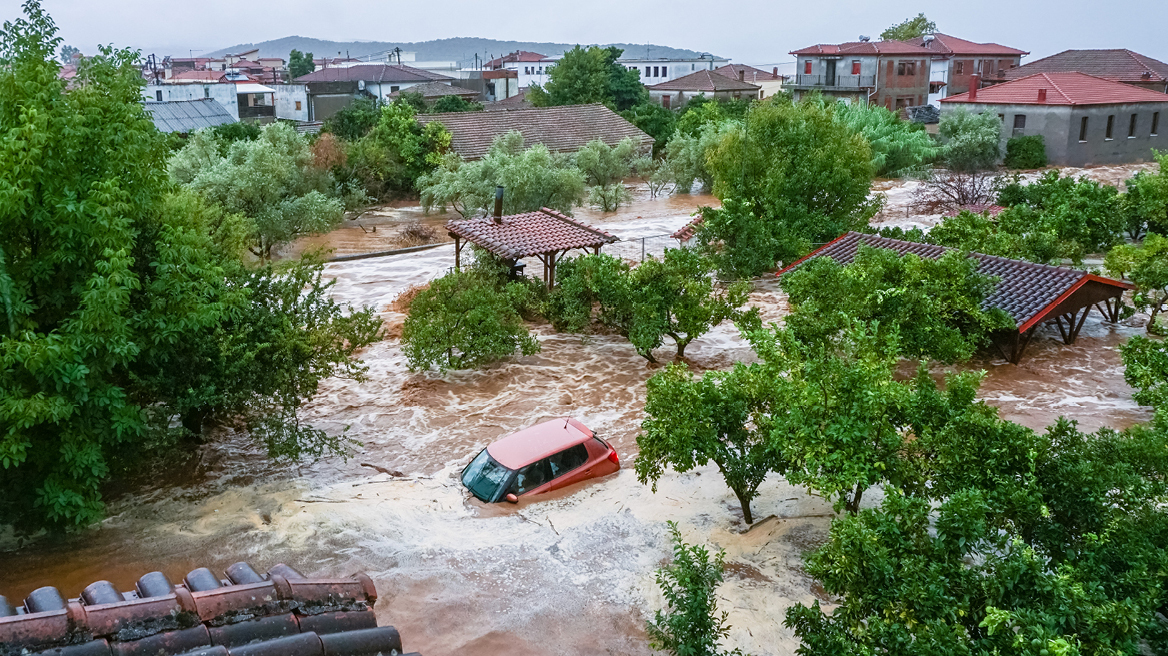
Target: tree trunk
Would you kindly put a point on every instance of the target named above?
(193, 420)
(745, 501)
(853, 504)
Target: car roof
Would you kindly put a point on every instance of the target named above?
(534, 443)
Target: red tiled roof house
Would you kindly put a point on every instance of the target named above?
(892, 74)
(1083, 119)
(1117, 65)
(676, 93)
(956, 61)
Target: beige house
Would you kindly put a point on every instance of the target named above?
(676, 93)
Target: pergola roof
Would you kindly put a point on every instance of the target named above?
(531, 233)
(1030, 293)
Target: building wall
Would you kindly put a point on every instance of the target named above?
(962, 68)
(287, 97)
(224, 93)
(1060, 126)
(939, 71)
(680, 98)
(895, 89)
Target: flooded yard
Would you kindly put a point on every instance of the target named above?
(569, 573)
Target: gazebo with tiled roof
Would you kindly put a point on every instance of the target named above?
(546, 234)
(1030, 293)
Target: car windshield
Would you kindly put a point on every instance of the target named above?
(485, 478)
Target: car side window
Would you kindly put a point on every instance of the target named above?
(568, 459)
(533, 476)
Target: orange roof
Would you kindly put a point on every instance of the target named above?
(537, 442)
(951, 45)
(1060, 89)
(864, 48)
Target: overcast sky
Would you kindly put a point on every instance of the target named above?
(749, 31)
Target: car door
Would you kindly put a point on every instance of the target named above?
(568, 466)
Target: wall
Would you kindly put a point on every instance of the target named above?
(680, 98)
(939, 70)
(895, 90)
(224, 93)
(287, 95)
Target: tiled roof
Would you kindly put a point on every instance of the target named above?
(198, 76)
(518, 101)
(371, 73)
(436, 90)
(704, 81)
(517, 56)
(1119, 65)
(1026, 291)
(951, 45)
(864, 48)
(1060, 89)
(687, 231)
(531, 233)
(187, 115)
(280, 612)
(565, 128)
(749, 73)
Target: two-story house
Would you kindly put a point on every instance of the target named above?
(955, 61)
(893, 74)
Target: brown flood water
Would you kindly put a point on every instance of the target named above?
(569, 573)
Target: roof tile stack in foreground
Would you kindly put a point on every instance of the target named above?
(1120, 65)
(186, 116)
(531, 233)
(704, 81)
(245, 614)
(562, 129)
(1060, 89)
(1026, 291)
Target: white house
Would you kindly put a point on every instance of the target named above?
(245, 101)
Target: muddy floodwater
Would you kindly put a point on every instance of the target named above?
(568, 573)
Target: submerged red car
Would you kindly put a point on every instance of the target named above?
(539, 459)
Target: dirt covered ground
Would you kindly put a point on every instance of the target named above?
(570, 573)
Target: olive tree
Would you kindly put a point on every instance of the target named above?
(1147, 265)
(605, 169)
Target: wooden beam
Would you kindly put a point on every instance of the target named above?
(1082, 320)
(457, 250)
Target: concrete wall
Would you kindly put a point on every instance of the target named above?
(1060, 126)
(287, 96)
(224, 93)
(680, 98)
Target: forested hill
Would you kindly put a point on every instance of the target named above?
(460, 49)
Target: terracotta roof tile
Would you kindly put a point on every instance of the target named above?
(1025, 291)
(704, 81)
(750, 73)
(370, 73)
(687, 231)
(951, 45)
(517, 56)
(1060, 89)
(1119, 65)
(565, 128)
(864, 48)
(531, 233)
(436, 90)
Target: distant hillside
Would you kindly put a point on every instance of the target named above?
(461, 49)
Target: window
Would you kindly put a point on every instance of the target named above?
(158, 96)
(664, 71)
(693, 67)
(1019, 121)
(1083, 130)
(807, 67)
(1155, 123)
(568, 459)
(1110, 126)
(855, 67)
(297, 105)
(647, 71)
(959, 68)
(655, 74)
(206, 91)
(532, 476)
(1002, 118)
(1131, 127)
(906, 68)
(394, 88)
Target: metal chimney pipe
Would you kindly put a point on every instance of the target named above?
(499, 204)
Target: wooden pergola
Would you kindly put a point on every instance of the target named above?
(1032, 294)
(547, 235)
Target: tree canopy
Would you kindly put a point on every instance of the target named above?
(300, 64)
(590, 75)
(909, 29)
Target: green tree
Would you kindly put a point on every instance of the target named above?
(398, 151)
(300, 64)
(1025, 152)
(688, 155)
(1075, 209)
(797, 166)
(590, 75)
(66, 54)
(455, 104)
(972, 142)
(237, 131)
(1147, 266)
(532, 178)
(462, 321)
(605, 169)
(655, 121)
(1145, 205)
(909, 29)
(690, 625)
(741, 244)
(354, 120)
(898, 146)
(271, 180)
(654, 172)
(933, 305)
(1014, 233)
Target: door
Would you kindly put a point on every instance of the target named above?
(829, 75)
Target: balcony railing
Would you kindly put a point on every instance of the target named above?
(257, 111)
(836, 81)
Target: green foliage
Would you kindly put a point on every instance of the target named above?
(272, 181)
(591, 75)
(655, 121)
(1145, 205)
(798, 167)
(354, 120)
(532, 178)
(300, 64)
(1016, 233)
(66, 54)
(934, 305)
(690, 625)
(462, 321)
(397, 151)
(237, 131)
(1145, 364)
(605, 169)
(1147, 267)
(1026, 152)
(654, 172)
(909, 29)
(673, 297)
(455, 104)
(687, 155)
(412, 99)
(972, 142)
(898, 146)
(741, 244)
(1075, 209)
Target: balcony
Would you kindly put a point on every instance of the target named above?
(835, 82)
(256, 112)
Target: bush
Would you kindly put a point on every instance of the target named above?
(461, 322)
(1074, 209)
(354, 120)
(398, 151)
(897, 146)
(972, 142)
(455, 104)
(1028, 152)
(741, 244)
(417, 234)
(605, 168)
